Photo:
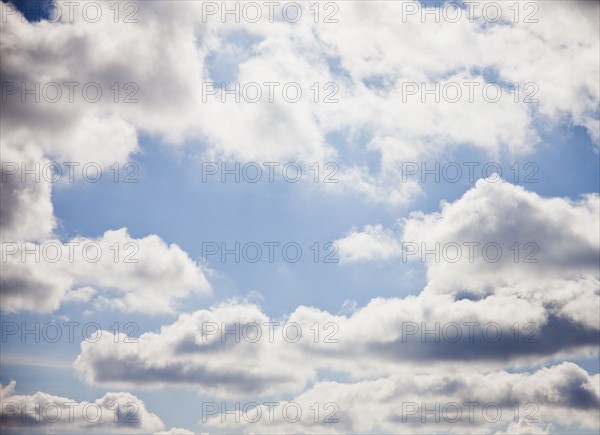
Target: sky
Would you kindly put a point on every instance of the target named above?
(300, 217)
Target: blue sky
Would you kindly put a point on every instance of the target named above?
(370, 135)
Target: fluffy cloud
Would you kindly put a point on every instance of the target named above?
(135, 275)
(557, 238)
(428, 52)
(114, 413)
(27, 212)
(496, 211)
(114, 271)
(234, 350)
(468, 311)
(498, 239)
(370, 76)
(499, 242)
(397, 404)
(193, 352)
(554, 300)
(372, 243)
(175, 431)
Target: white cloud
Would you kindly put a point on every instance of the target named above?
(559, 294)
(557, 238)
(190, 352)
(552, 304)
(113, 271)
(27, 212)
(175, 431)
(504, 330)
(372, 243)
(561, 308)
(521, 52)
(82, 294)
(563, 393)
(521, 427)
(114, 413)
(306, 53)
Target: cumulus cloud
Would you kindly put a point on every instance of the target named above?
(556, 238)
(113, 413)
(461, 403)
(430, 52)
(175, 431)
(135, 275)
(370, 84)
(372, 243)
(539, 311)
(500, 244)
(197, 351)
(528, 314)
(112, 271)
(27, 212)
(234, 350)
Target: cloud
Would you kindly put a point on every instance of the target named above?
(445, 51)
(501, 241)
(114, 413)
(465, 325)
(370, 79)
(112, 271)
(521, 427)
(175, 431)
(191, 353)
(553, 300)
(487, 317)
(371, 244)
(27, 212)
(557, 238)
(493, 211)
(81, 132)
(414, 334)
(563, 393)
